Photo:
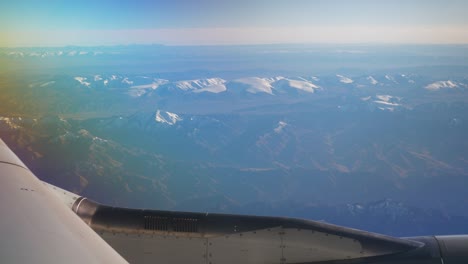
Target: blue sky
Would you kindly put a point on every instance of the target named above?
(211, 22)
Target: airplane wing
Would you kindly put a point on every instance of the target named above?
(41, 223)
(36, 227)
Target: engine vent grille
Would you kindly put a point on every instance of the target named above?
(159, 223)
(188, 225)
(156, 223)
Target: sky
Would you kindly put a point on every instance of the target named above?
(240, 22)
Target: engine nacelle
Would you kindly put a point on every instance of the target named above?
(453, 249)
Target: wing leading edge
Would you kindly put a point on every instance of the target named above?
(36, 227)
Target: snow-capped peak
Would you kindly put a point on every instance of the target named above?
(10, 122)
(127, 81)
(258, 85)
(167, 117)
(82, 80)
(47, 84)
(299, 84)
(213, 85)
(440, 85)
(281, 125)
(344, 79)
(139, 90)
(384, 97)
(390, 78)
(387, 102)
(372, 80)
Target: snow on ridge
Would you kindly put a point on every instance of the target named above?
(275, 79)
(281, 125)
(390, 78)
(82, 80)
(300, 84)
(252, 85)
(212, 89)
(44, 54)
(384, 97)
(257, 84)
(127, 81)
(154, 85)
(99, 139)
(139, 90)
(440, 85)
(372, 80)
(387, 100)
(391, 109)
(344, 79)
(16, 53)
(386, 103)
(213, 85)
(10, 122)
(173, 117)
(136, 92)
(167, 118)
(47, 84)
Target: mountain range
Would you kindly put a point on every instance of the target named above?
(204, 129)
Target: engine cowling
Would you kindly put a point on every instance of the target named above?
(453, 249)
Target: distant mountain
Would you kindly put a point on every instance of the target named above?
(167, 118)
(441, 85)
(269, 85)
(120, 93)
